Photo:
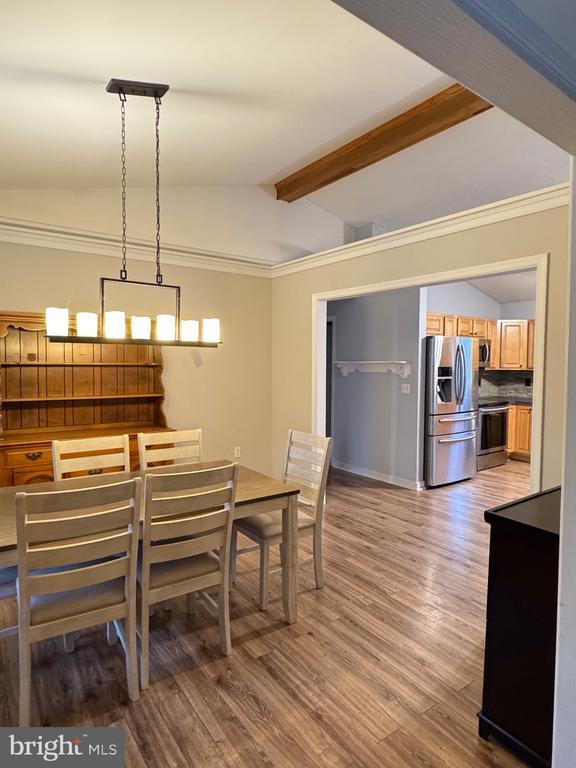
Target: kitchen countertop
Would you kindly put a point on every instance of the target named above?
(512, 399)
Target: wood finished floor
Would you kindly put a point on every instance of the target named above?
(383, 668)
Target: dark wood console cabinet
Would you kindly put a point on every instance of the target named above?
(56, 391)
(518, 697)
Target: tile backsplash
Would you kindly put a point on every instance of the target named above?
(505, 384)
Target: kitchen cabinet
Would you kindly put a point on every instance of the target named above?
(513, 344)
(519, 432)
(434, 324)
(531, 334)
(493, 335)
(480, 328)
(465, 326)
(523, 430)
(511, 341)
(450, 325)
(511, 444)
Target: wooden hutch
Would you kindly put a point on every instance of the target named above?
(51, 391)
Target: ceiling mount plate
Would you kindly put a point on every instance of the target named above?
(136, 88)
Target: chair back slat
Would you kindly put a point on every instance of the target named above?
(79, 550)
(91, 454)
(177, 447)
(199, 545)
(184, 503)
(188, 526)
(190, 480)
(79, 499)
(71, 524)
(47, 583)
(311, 476)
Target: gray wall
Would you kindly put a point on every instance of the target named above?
(465, 299)
(518, 310)
(461, 299)
(376, 428)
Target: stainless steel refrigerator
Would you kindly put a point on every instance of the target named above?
(451, 408)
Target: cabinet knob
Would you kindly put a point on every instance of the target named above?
(95, 471)
(33, 455)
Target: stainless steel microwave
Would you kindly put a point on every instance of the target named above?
(484, 352)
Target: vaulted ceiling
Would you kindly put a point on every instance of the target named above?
(257, 90)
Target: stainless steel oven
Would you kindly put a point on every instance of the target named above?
(492, 434)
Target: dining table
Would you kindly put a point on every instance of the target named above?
(255, 493)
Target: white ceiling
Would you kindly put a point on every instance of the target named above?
(257, 88)
(520, 286)
(485, 159)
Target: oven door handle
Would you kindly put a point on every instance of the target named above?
(501, 409)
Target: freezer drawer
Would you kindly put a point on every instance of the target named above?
(450, 458)
(451, 423)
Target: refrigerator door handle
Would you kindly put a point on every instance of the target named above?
(459, 374)
(456, 439)
(457, 418)
(464, 373)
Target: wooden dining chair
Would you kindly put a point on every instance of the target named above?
(186, 544)
(58, 593)
(306, 464)
(91, 456)
(183, 446)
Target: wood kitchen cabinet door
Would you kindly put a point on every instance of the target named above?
(523, 430)
(493, 335)
(511, 444)
(480, 328)
(465, 326)
(450, 325)
(434, 324)
(531, 334)
(513, 344)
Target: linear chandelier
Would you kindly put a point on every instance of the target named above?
(111, 326)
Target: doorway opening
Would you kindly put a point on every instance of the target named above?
(392, 449)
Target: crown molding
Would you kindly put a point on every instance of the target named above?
(511, 208)
(21, 232)
(40, 235)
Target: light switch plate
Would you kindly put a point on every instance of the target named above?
(405, 388)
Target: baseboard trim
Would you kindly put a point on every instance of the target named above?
(412, 485)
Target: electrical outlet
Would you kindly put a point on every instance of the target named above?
(237, 452)
(405, 388)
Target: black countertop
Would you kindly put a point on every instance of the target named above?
(541, 510)
(511, 399)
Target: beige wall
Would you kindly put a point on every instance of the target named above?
(515, 238)
(225, 391)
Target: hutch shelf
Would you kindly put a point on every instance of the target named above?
(51, 391)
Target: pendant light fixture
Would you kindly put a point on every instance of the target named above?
(110, 326)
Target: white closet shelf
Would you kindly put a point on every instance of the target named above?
(399, 367)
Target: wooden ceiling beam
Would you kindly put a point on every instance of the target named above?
(450, 107)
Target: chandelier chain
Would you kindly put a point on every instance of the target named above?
(122, 95)
(158, 267)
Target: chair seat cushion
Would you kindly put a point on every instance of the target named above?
(175, 571)
(268, 525)
(73, 602)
